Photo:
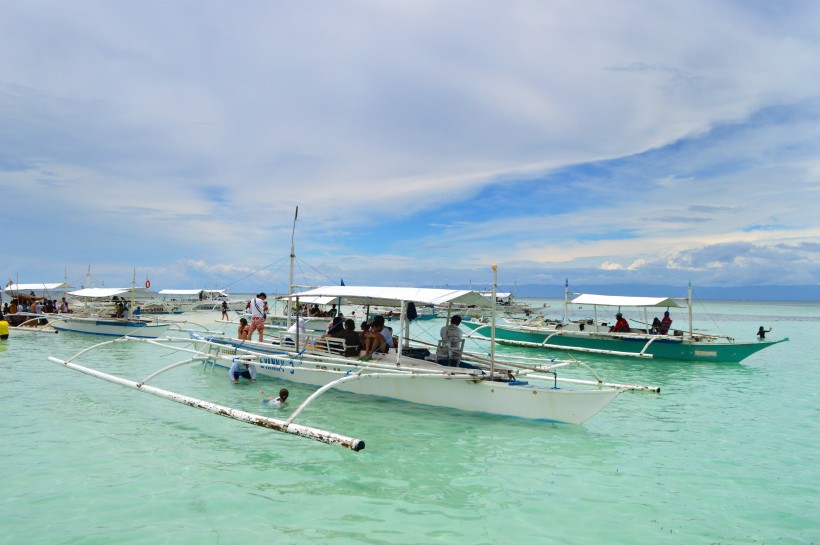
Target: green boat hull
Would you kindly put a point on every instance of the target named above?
(665, 347)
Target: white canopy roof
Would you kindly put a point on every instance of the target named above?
(500, 294)
(193, 292)
(311, 300)
(30, 287)
(623, 301)
(385, 296)
(101, 292)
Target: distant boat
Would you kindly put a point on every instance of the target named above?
(92, 322)
(199, 300)
(592, 336)
(505, 303)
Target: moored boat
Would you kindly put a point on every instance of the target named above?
(99, 321)
(485, 385)
(594, 336)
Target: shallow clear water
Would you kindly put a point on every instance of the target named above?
(727, 453)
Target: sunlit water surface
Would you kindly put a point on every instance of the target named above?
(727, 453)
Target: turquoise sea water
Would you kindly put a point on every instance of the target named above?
(727, 453)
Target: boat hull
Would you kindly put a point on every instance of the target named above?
(516, 399)
(110, 327)
(663, 347)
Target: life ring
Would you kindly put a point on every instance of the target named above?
(147, 283)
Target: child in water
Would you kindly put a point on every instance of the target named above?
(275, 402)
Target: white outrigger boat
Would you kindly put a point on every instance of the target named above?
(199, 300)
(31, 322)
(516, 387)
(92, 322)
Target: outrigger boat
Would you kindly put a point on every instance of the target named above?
(92, 322)
(593, 336)
(199, 300)
(517, 387)
(31, 293)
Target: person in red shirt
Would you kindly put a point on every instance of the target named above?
(665, 324)
(621, 326)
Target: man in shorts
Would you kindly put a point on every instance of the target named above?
(258, 315)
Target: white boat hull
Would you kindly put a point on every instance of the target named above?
(416, 384)
(110, 326)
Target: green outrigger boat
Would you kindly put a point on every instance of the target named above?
(593, 336)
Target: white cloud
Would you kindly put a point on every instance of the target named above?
(191, 130)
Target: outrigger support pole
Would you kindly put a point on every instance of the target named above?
(229, 412)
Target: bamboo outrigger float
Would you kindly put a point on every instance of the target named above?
(284, 426)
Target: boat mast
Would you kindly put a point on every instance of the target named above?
(290, 281)
(566, 300)
(133, 287)
(689, 304)
(492, 328)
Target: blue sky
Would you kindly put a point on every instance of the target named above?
(609, 143)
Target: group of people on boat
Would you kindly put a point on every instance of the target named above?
(373, 337)
(32, 305)
(315, 311)
(659, 326)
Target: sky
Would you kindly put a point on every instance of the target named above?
(630, 142)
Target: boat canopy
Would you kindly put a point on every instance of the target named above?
(312, 300)
(499, 294)
(385, 296)
(101, 292)
(30, 287)
(180, 292)
(623, 301)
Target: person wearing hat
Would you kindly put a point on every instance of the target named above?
(621, 326)
(666, 323)
(242, 369)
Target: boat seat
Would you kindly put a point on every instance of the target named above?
(338, 346)
(449, 353)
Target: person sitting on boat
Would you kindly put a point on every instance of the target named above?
(242, 369)
(621, 326)
(350, 336)
(298, 325)
(761, 333)
(451, 339)
(275, 401)
(63, 306)
(666, 323)
(244, 330)
(656, 326)
(379, 337)
(335, 326)
(333, 311)
(258, 316)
